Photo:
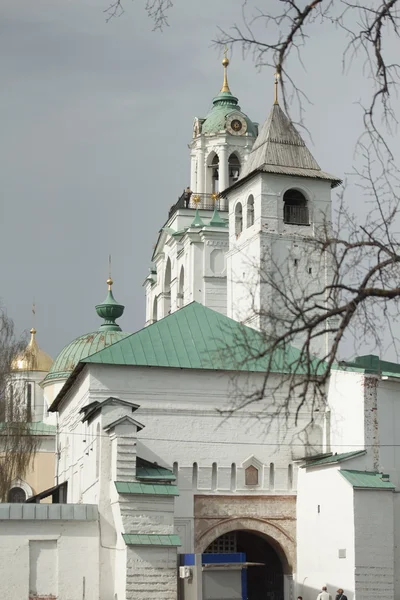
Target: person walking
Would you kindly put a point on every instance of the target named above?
(340, 595)
(324, 595)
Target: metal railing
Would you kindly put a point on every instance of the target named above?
(201, 201)
(296, 215)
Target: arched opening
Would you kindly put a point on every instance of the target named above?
(250, 210)
(234, 168)
(295, 210)
(181, 292)
(167, 288)
(238, 219)
(212, 174)
(265, 578)
(16, 494)
(154, 314)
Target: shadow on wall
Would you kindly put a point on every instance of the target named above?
(310, 593)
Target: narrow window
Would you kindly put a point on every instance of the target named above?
(290, 477)
(195, 475)
(214, 471)
(271, 476)
(296, 262)
(234, 168)
(154, 317)
(250, 211)
(29, 400)
(233, 477)
(238, 219)
(309, 270)
(175, 469)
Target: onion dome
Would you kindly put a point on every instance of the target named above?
(108, 333)
(32, 358)
(224, 106)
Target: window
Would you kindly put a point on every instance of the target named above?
(167, 288)
(181, 293)
(195, 474)
(295, 210)
(238, 219)
(215, 175)
(29, 400)
(16, 494)
(234, 168)
(251, 475)
(214, 475)
(250, 211)
(154, 316)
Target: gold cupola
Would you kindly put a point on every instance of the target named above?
(32, 358)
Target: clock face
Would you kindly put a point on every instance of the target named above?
(236, 125)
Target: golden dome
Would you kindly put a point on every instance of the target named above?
(32, 358)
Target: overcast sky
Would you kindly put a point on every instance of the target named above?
(95, 122)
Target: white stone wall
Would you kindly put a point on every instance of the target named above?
(374, 545)
(41, 554)
(151, 573)
(325, 525)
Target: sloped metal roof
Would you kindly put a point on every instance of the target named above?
(48, 512)
(279, 148)
(367, 480)
(148, 471)
(140, 539)
(151, 489)
(334, 458)
(196, 337)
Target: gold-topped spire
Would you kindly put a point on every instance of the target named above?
(109, 281)
(32, 358)
(276, 87)
(225, 63)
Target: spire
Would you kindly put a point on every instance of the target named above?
(110, 310)
(225, 63)
(279, 148)
(197, 221)
(276, 87)
(216, 220)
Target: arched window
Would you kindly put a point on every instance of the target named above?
(234, 168)
(250, 210)
(214, 475)
(181, 293)
(233, 477)
(167, 288)
(154, 316)
(295, 210)
(16, 494)
(215, 174)
(238, 219)
(98, 450)
(195, 475)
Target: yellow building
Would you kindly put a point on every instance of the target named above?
(28, 370)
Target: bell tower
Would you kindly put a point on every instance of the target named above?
(277, 209)
(221, 144)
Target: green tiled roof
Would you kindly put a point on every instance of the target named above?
(140, 539)
(196, 337)
(334, 458)
(151, 489)
(368, 480)
(152, 472)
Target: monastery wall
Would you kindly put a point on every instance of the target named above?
(43, 559)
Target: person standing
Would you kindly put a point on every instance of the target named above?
(324, 595)
(340, 595)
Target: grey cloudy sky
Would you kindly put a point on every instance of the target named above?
(96, 118)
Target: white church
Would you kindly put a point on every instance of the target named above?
(159, 493)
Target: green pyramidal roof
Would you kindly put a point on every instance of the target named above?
(196, 337)
(108, 333)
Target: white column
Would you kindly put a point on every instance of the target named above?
(200, 172)
(223, 168)
(193, 173)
